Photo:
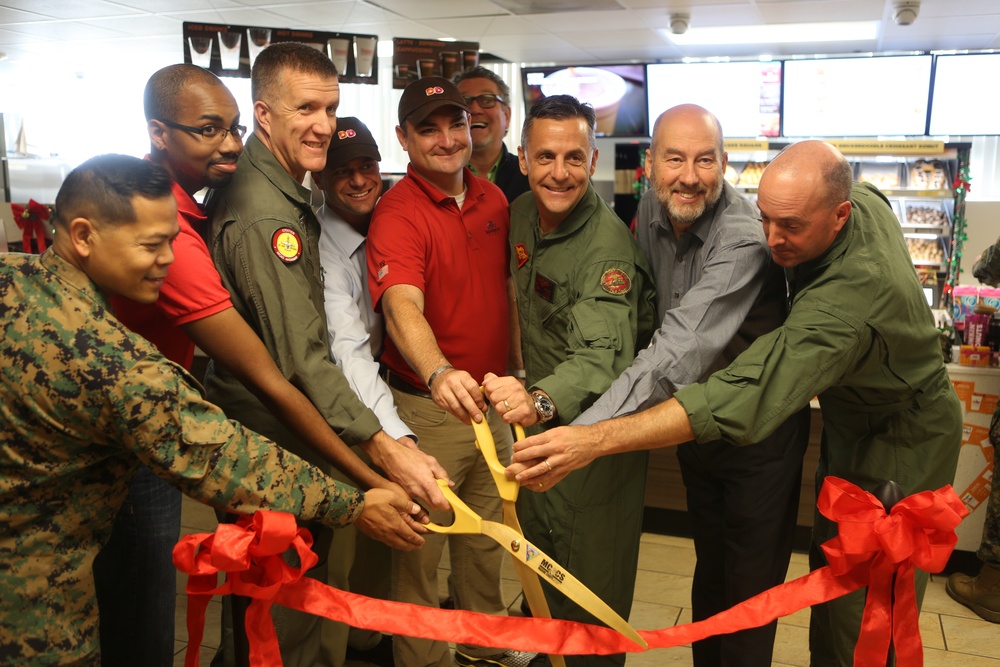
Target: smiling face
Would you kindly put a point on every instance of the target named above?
(685, 163)
(130, 259)
(439, 147)
(298, 123)
(352, 190)
(192, 160)
(488, 126)
(559, 160)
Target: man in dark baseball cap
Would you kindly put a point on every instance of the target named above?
(438, 271)
(352, 183)
(423, 96)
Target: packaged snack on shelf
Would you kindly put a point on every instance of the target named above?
(964, 299)
(990, 296)
(970, 355)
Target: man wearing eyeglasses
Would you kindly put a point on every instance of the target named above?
(195, 135)
(263, 239)
(488, 98)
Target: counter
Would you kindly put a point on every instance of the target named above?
(979, 389)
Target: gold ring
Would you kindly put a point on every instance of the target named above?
(547, 464)
(506, 405)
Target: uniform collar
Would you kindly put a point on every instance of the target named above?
(74, 277)
(264, 161)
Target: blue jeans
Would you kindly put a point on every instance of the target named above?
(135, 577)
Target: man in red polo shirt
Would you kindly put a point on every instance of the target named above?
(194, 131)
(437, 268)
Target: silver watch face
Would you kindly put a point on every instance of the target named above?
(543, 406)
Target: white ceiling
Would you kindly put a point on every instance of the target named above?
(36, 29)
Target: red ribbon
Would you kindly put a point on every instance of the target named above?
(870, 549)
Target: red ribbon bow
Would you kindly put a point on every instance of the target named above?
(872, 549)
(882, 551)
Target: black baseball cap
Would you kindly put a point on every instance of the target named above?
(423, 96)
(351, 140)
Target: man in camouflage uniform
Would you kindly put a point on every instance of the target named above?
(84, 402)
(981, 593)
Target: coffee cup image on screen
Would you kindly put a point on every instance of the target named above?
(604, 90)
(337, 49)
(364, 55)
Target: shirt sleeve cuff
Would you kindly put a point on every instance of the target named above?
(361, 429)
(692, 399)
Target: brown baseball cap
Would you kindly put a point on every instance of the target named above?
(351, 140)
(423, 96)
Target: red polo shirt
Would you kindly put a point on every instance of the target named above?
(457, 257)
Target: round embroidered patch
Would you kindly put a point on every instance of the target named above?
(286, 245)
(615, 281)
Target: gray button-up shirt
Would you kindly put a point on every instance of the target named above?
(716, 291)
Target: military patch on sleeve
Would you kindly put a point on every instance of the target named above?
(545, 288)
(383, 271)
(286, 245)
(522, 254)
(616, 281)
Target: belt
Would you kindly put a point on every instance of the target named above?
(397, 382)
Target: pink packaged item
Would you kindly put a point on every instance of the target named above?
(963, 302)
(990, 296)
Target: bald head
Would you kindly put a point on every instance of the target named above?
(688, 118)
(804, 197)
(815, 165)
(685, 163)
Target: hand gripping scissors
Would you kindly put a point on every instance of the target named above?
(530, 562)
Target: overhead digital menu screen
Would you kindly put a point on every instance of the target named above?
(966, 97)
(856, 97)
(617, 93)
(744, 96)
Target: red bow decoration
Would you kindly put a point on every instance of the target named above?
(31, 220)
(871, 548)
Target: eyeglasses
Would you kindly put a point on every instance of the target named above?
(486, 101)
(209, 132)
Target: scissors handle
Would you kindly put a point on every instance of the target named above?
(507, 488)
(466, 521)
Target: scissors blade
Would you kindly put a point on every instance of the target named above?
(527, 553)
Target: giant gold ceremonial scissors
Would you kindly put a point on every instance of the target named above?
(531, 563)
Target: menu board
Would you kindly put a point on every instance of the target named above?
(966, 97)
(744, 96)
(856, 97)
(617, 93)
(230, 50)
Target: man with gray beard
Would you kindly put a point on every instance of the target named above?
(717, 291)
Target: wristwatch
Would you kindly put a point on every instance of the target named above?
(543, 407)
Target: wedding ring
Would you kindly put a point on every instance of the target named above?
(547, 464)
(506, 405)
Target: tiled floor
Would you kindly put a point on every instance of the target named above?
(953, 636)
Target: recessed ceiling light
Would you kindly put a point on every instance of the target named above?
(781, 33)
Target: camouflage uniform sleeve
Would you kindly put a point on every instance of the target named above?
(987, 268)
(166, 422)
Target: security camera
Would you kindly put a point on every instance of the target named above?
(679, 23)
(904, 12)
